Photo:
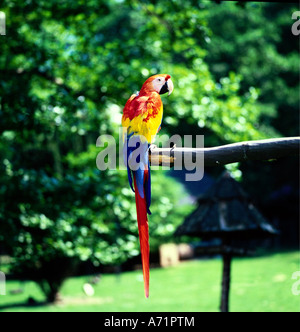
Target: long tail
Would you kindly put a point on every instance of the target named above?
(142, 189)
(141, 210)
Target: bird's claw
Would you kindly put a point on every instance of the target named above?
(152, 147)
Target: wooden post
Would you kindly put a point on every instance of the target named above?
(225, 282)
(221, 155)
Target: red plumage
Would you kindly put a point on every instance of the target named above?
(142, 219)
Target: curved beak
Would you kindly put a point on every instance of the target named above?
(167, 87)
(170, 86)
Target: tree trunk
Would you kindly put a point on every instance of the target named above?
(226, 154)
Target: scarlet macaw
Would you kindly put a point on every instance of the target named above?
(142, 117)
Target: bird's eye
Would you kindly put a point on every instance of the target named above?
(159, 80)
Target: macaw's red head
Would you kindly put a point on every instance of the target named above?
(160, 83)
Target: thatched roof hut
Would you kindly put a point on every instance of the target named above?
(226, 211)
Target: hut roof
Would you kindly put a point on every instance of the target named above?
(225, 211)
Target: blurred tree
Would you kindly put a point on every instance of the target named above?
(255, 40)
(62, 78)
(264, 52)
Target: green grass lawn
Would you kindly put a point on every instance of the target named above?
(257, 284)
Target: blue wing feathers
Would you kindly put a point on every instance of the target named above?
(142, 173)
(148, 189)
(126, 154)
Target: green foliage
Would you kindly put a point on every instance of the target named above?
(264, 52)
(168, 208)
(255, 41)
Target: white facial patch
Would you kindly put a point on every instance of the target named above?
(158, 83)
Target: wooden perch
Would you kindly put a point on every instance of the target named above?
(226, 154)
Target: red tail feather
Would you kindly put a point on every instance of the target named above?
(141, 208)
